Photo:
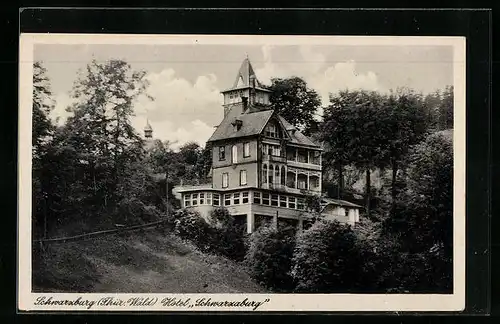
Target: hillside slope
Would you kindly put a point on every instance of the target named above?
(141, 262)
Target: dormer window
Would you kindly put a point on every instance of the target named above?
(237, 123)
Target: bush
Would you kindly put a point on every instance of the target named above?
(228, 237)
(269, 257)
(220, 235)
(191, 226)
(327, 259)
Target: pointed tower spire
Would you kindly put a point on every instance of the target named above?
(245, 73)
(246, 89)
(148, 130)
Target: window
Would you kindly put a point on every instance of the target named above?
(235, 154)
(271, 131)
(256, 197)
(265, 199)
(216, 199)
(243, 177)
(244, 200)
(187, 200)
(271, 171)
(302, 184)
(236, 198)
(291, 202)
(227, 199)
(277, 174)
(264, 173)
(300, 203)
(275, 150)
(225, 180)
(209, 198)
(222, 153)
(302, 156)
(246, 149)
(202, 199)
(274, 200)
(282, 201)
(346, 212)
(195, 199)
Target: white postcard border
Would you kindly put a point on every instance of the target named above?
(29, 301)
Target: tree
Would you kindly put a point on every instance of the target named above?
(403, 124)
(104, 95)
(90, 172)
(423, 219)
(351, 134)
(42, 106)
(269, 257)
(297, 103)
(431, 104)
(42, 131)
(446, 109)
(426, 206)
(327, 259)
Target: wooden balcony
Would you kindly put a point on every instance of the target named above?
(273, 158)
(303, 165)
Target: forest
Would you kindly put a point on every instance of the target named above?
(391, 152)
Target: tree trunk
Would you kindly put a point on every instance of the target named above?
(340, 172)
(368, 191)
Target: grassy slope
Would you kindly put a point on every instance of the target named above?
(140, 262)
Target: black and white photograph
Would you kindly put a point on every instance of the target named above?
(241, 173)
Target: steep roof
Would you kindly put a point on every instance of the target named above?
(252, 124)
(245, 72)
(296, 137)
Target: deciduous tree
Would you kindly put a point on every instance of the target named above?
(296, 102)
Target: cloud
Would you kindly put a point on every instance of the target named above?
(181, 111)
(342, 76)
(177, 99)
(313, 68)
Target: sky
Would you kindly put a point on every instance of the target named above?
(186, 80)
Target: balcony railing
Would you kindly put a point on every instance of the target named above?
(284, 188)
(273, 158)
(305, 165)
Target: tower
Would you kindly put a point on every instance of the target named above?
(246, 90)
(148, 131)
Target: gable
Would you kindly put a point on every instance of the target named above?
(295, 136)
(249, 124)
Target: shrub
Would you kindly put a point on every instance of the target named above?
(134, 211)
(327, 259)
(228, 238)
(269, 257)
(191, 226)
